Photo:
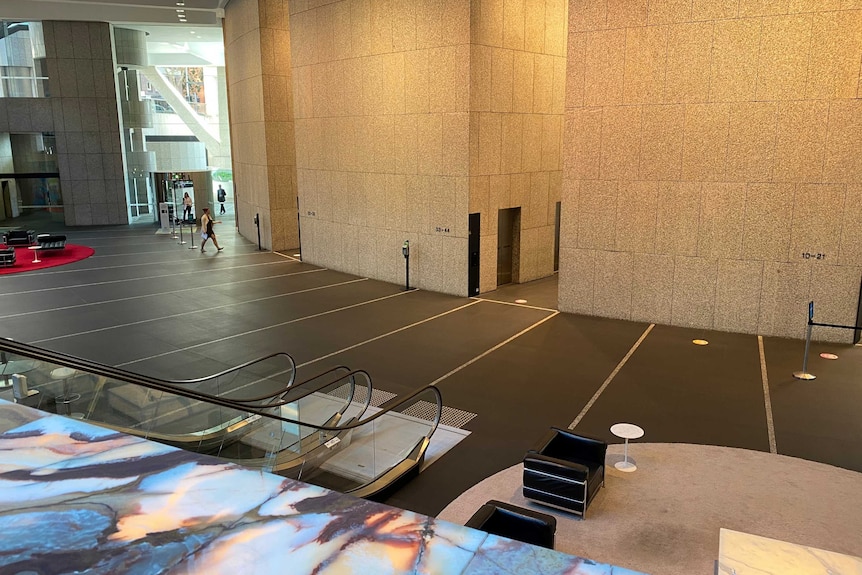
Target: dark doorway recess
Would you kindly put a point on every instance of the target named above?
(474, 247)
(508, 242)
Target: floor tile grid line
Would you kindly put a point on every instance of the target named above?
(494, 348)
(767, 401)
(192, 312)
(610, 377)
(286, 256)
(157, 294)
(387, 334)
(158, 263)
(260, 329)
(514, 304)
(75, 286)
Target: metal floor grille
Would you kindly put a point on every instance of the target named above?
(451, 417)
(378, 396)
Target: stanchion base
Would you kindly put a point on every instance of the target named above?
(804, 375)
(182, 243)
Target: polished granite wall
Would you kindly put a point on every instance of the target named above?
(711, 169)
(85, 117)
(257, 53)
(81, 498)
(382, 130)
(517, 87)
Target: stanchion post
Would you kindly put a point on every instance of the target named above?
(257, 223)
(804, 373)
(182, 241)
(405, 251)
(192, 234)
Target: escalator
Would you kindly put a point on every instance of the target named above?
(322, 430)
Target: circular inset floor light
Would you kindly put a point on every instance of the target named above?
(828, 356)
(699, 342)
(520, 301)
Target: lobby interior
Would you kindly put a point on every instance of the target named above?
(663, 171)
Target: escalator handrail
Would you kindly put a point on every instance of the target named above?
(302, 383)
(154, 383)
(239, 367)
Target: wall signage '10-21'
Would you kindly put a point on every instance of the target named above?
(810, 256)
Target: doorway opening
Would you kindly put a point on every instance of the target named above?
(508, 245)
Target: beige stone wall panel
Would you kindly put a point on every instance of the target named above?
(783, 63)
(556, 17)
(737, 295)
(784, 300)
(627, 13)
(519, 190)
(534, 26)
(705, 142)
(694, 291)
(735, 48)
(750, 8)
(512, 135)
(522, 89)
(613, 269)
(637, 213)
(813, 5)
(488, 263)
(570, 213)
(604, 67)
(652, 288)
(722, 220)
(455, 144)
(678, 218)
(559, 87)
(662, 142)
(817, 220)
(531, 156)
(537, 207)
(552, 132)
(577, 278)
(768, 210)
(583, 137)
(851, 227)
(543, 85)
(801, 141)
(448, 70)
(669, 11)
(416, 87)
(645, 64)
(714, 9)
(751, 141)
(502, 80)
(597, 200)
(576, 70)
(499, 191)
(487, 20)
(513, 24)
(588, 15)
(843, 162)
(620, 142)
(689, 51)
(404, 26)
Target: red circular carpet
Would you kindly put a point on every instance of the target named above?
(47, 259)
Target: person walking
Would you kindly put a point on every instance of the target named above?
(222, 197)
(208, 233)
(187, 207)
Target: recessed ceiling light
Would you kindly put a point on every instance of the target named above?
(181, 3)
(699, 342)
(180, 10)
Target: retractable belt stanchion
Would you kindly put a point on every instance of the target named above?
(811, 323)
(182, 241)
(192, 234)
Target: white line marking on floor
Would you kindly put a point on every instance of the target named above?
(770, 426)
(138, 279)
(211, 308)
(610, 378)
(260, 329)
(156, 294)
(495, 348)
(291, 258)
(157, 263)
(164, 251)
(514, 304)
(387, 334)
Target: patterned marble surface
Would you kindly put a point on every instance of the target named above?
(745, 554)
(79, 498)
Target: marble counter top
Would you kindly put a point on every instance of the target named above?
(746, 554)
(75, 497)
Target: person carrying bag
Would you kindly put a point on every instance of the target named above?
(207, 232)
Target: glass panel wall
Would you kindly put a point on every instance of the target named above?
(29, 179)
(23, 70)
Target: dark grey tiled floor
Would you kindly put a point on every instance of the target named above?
(156, 307)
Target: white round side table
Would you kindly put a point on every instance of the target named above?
(626, 431)
(63, 402)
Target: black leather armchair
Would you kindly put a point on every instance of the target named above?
(7, 257)
(19, 237)
(505, 520)
(565, 470)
